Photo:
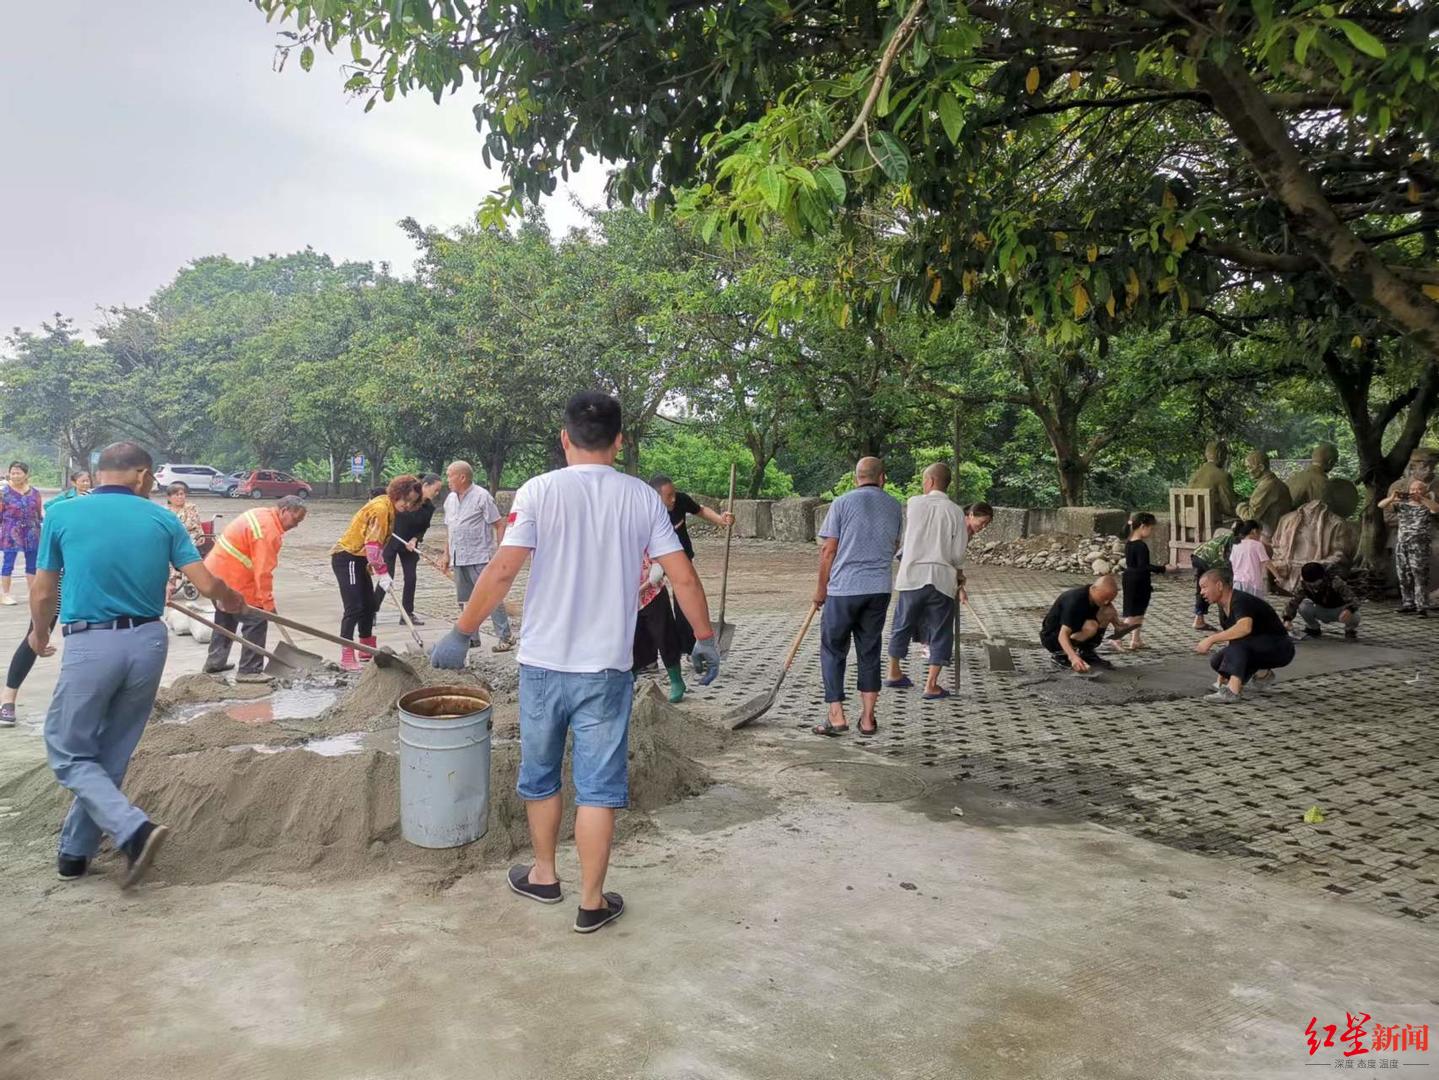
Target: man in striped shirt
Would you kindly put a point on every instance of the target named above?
(245, 557)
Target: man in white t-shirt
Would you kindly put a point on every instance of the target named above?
(588, 527)
(930, 581)
(473, 527)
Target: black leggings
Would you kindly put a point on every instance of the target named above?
(410, 561)
(655, 633)
(24, 658)
(357, 592)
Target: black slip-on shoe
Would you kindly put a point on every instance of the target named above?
(217, 669)
(71, 867)
(588, 920)
(519, 878)
(140, 851)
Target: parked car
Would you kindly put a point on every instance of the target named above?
(270, 484)
(194, 477)
(225, 485)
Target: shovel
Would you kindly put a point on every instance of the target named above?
(756, 707)
(1000, 658)
(294, 656)
(427, 557)
(279, 666)
(384, 658)
(724, 632)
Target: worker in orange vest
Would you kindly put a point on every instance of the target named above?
(245, 557)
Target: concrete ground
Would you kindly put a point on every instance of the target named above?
(1016, 883)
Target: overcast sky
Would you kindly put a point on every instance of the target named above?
(140, 134)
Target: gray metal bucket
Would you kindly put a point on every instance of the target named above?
(444, 765)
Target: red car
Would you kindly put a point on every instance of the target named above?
(269, 484)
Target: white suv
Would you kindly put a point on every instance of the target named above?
(194, 477)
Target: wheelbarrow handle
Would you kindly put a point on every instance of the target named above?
(193, 614)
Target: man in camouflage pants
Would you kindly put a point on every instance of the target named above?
(1415, 510)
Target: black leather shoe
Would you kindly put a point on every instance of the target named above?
(216, 669)
(71, 867)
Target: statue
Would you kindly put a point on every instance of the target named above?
(1271, 500)
(1212, 477)
(1315, 485)
(1312, 533)
(1421, 467)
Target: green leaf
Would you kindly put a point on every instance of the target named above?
(951, 115)
(881, 107)
(307, 58)
(1303, 41)
(890, 154)
(771, 186)
(1362, 39)
(831, 180)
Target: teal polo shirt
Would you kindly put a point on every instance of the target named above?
(116, 550)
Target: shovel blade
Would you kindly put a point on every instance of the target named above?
(724, 635)
(1000, 658)
(756, 706)
(386, 659)
(289, 660)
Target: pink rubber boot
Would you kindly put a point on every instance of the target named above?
(365, 657)
(347, 659)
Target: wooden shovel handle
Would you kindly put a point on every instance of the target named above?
(978, 621)
(799, 638)
(313, 631)
(728, 536)
(426, 556)
(192, 614)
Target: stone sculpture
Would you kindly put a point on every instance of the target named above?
(1312, 533)
(1421, 467)
(1212, 477)
(1314, 484)
(1271, 499)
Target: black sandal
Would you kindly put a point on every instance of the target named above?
(829, 730)
(588, 920)
(872, 731)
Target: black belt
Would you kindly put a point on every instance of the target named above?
(124, 622)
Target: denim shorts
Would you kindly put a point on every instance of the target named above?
(595, 706)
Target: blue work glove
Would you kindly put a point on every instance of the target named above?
(451, 651)
(706, 660)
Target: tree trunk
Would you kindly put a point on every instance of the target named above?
(1072, 478)
(631, 451)
(495, 469)
(957, 446)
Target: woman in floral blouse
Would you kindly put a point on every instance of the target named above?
(20, 517)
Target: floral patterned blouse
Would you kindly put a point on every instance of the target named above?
(20, 519)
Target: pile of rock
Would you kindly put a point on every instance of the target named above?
(1055, 552)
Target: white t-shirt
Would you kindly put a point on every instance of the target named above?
(589, 527)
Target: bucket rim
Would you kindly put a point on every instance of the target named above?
(405, 702)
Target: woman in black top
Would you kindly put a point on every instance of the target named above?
(1137, 581)
(410, 526)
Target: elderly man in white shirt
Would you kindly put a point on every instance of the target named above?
(472, 520)
(936, 536)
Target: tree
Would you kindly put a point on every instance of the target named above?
(56, 387)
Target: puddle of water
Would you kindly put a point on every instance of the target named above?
(292, 703)
(351, 742)
(335, 745)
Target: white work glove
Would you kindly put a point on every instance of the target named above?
(657, 573)
(384, 581)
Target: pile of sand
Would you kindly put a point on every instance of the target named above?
(196, 689)
(294, 815)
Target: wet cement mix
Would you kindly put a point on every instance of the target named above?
(256, 790)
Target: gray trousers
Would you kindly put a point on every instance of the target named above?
(1313, 615)
(108, 680)
(465, 579)
(252, 628)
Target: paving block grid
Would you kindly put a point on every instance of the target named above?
(1232, 783)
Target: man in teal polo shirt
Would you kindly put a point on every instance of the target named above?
(116, 548)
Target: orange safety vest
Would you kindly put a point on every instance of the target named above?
(246, 554)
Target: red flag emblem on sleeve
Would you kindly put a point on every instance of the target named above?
(511, 519)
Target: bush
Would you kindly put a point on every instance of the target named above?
(700, 465)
